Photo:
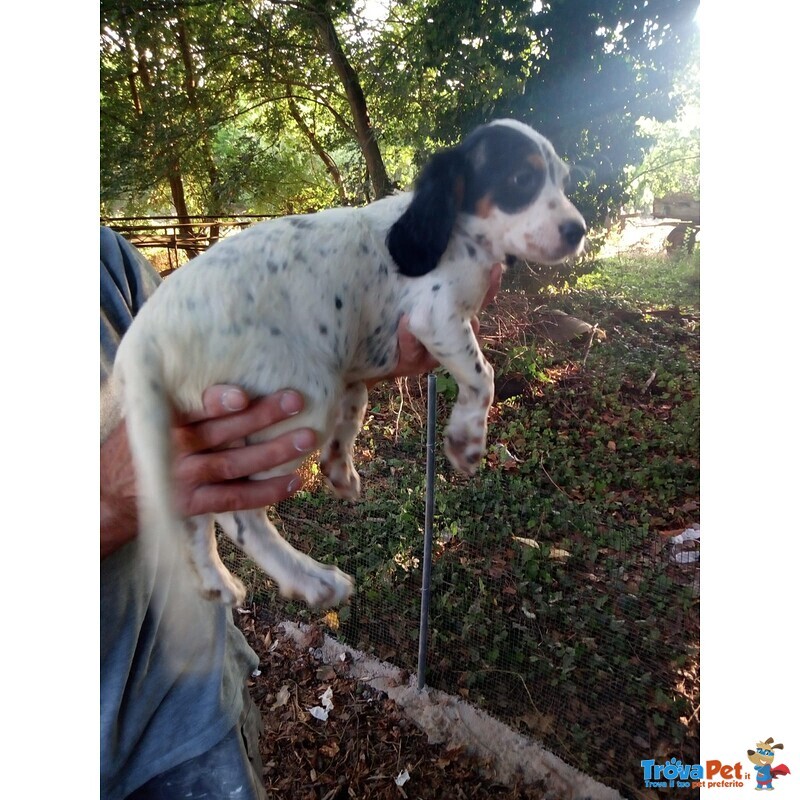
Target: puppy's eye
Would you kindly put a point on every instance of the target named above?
(523, 179)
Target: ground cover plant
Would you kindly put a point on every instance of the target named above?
(559, 602)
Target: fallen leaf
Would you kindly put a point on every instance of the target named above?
(330, 749)
(318, 712)
(529, 542)
(326, 673)
(402, 778)
(332, 620)
(561, 327)
(282, 698)
(327, 698)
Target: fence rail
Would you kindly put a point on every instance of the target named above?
(190, 235)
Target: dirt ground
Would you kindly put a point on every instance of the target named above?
(368, 747)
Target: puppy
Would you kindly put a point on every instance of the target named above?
(313, 303)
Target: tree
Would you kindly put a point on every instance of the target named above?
(615, 63)
(160, 105)
(288, 104)
(320, 14)
(580, 71)
(672, 165)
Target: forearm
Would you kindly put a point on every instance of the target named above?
(118, 526)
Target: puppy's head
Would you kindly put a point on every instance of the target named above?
(508, 183)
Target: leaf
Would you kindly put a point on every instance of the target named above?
(326, 673)
(330, 749)
(282, 698)
(528, 542)
(332, 620)
(540, 724)
(319, 713)
(402, 778)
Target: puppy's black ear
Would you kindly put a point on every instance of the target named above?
(419, 238)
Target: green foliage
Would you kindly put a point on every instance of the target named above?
(607, 65)
(671, 166)
(648, 279)
(553, 596)
(236, 106)
(214, 114)
(673, 162)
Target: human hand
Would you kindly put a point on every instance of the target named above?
(211, 461)
(414, 359)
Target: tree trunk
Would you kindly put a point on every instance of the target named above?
(329, 163)
(185, 231)
(355, 97)
(174, 175)
(190, 86)
(134, 66)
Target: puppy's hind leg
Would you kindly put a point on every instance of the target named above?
(336, 458)
(216, 582)
(298, 576)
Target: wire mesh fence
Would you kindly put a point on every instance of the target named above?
(564, 588)
(578, 633)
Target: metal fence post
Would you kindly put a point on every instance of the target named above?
(430, 475)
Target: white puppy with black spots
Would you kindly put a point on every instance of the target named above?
(313, 302)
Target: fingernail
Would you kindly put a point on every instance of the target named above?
(304, 441)
(294, 484)
(291, 402)
(234, 400)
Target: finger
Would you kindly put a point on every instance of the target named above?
(243, 494)
(232, 464)
(211, 433)
(218, 401)
(224, 399)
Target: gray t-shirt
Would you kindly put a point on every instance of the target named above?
(162, 701)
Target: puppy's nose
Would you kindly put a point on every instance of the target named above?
(572, 232)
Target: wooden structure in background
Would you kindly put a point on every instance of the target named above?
(192, 235)
(686, 211)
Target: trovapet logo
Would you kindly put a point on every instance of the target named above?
(714, 774)
(674, 774)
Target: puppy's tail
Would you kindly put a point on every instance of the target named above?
(173, 606)
(139, 372)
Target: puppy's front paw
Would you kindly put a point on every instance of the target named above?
(465, 445)
(228, 590)
(464, 455)
(319, 585)
(332, 588)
